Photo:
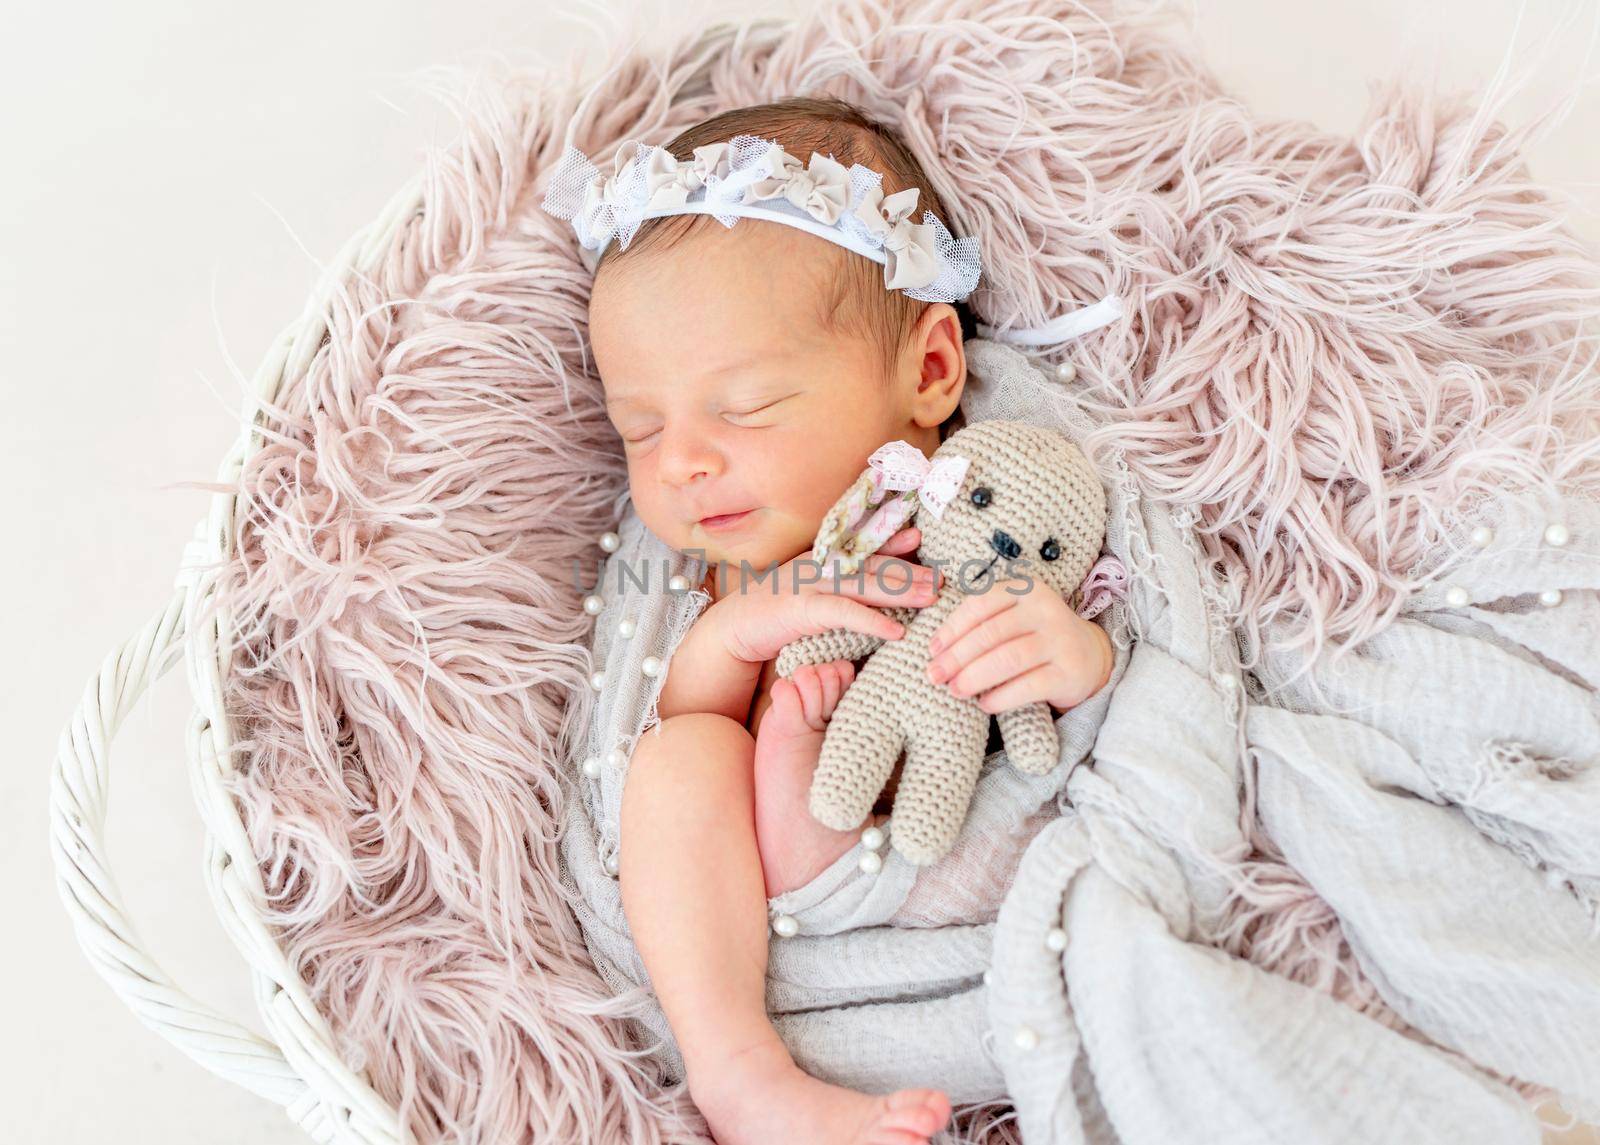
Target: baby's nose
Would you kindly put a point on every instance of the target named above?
(1002, 543)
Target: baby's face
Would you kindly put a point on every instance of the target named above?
(731, 397)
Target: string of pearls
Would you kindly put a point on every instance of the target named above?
(1025, 1037)
(873, 839)
(593, 605)
(1555, 535)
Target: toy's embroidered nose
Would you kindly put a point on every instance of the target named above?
(1002, 543)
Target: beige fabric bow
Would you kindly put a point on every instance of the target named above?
(911, 258)
(604, 196)
(669, 182)
(821, 188)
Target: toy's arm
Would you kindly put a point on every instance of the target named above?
(1029, 736)
(838, 644)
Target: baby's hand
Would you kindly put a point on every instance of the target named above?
(1016, 647)
(756, 620)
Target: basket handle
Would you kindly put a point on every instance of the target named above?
(78, 795)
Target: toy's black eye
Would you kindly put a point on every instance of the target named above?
(980, 496)
(1050, 550)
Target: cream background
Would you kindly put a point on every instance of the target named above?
(173, 172)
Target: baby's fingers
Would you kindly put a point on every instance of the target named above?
(889, 581)
(905, 541)
(824, 611)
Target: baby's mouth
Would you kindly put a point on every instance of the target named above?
(725, 520)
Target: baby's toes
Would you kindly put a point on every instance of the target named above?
(918, 1110)
(808, 684)
(788, 706)
(836, 677)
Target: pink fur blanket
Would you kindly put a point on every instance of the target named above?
(1331, 345)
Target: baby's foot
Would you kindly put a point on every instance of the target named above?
(794, 847)
(761, 1096)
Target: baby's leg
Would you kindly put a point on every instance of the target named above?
(692, 886)
(696, 903)
(794, 847)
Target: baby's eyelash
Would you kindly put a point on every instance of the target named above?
(748, 412)
(728, 413)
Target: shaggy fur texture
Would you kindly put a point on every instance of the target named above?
(1331, 345)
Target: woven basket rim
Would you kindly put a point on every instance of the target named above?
(350, 1109)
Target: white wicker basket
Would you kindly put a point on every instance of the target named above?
(295, 1063)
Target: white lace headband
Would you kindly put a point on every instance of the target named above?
(751, 177)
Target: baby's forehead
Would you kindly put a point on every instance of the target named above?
(751, 251)
(757, 276)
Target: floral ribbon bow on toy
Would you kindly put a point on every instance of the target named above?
(898, 477)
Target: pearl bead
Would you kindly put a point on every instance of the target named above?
(988, 979)
(650, 666)
(1026, 1038)
(626, 627)
(871, 863)
(1483, 536)
(597, 680)
(592, 604)
(1056, 940)
(872, 838)
(785, 926)
(1456, 596)
(1550, 597)
(1556, 535)
(1065, 371)
(610, 542)
(613, 865)
(591, 767)
(615, 759)
(679, 584)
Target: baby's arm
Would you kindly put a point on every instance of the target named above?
(704, 675)
(717, 665)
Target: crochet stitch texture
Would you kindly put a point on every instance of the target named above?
(1040, 488)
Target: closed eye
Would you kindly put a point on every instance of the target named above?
(758, 409)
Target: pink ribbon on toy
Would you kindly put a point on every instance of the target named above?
(898, 477)
(901, 466)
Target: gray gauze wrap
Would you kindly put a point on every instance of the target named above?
(1438, 788)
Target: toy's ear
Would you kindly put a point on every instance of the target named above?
(865, 516)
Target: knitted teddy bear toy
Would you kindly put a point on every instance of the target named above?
(998, 499)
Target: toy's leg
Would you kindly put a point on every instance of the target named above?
(930, 806)
(858, 754)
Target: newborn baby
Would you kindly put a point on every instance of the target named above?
(751, 370)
